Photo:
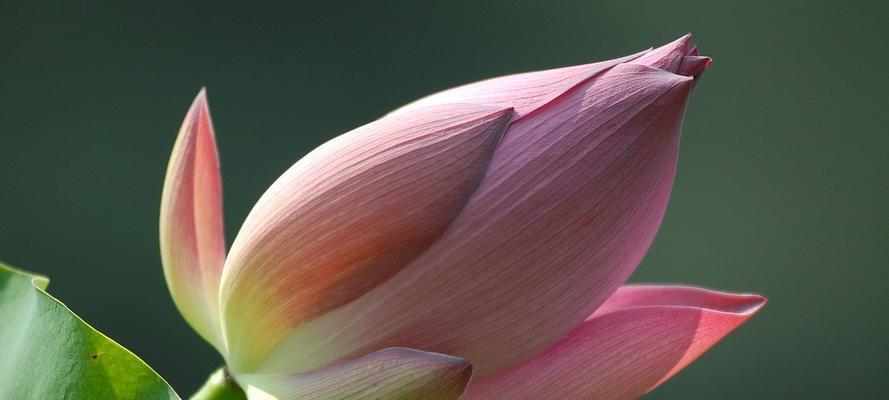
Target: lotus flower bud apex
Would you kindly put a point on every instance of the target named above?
(491, 224)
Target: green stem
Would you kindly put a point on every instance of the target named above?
(220, 386)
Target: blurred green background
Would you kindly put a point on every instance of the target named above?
(782, 187)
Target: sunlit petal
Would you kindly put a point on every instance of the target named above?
(191, 232)
(348, 216)
(639, 338)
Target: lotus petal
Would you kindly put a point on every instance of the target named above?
(191, 232)
(638, 339)
(348, 216)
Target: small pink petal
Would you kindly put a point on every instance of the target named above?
(638, 339)
(568, 207)
(524, 92)
(694, 65)
(390, 374)
(191, 232)
(347, 217)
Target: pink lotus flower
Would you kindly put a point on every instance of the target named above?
(492, 224)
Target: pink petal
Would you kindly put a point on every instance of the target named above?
(524, 92)
(348, 216)
(638, 339)
(390, 374)
(568, 207)
(191, 232)
(694, 65)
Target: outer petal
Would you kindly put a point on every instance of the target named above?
(348, 216)
(641, 336)
(390, 374)
(191, 232)
(525, 92)
(566, 211)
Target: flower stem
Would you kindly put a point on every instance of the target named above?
(220, 386)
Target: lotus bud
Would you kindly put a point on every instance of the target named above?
(569, 204)
(492, 224)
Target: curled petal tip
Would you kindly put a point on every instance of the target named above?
(751, 305)
(642, 295)
(694, 66)
(682, 44)
(199, 109)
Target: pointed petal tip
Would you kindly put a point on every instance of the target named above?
(684, 41)
(742, 305)
(199, 123)
(694, 66)
(683, 44)
(679, 57)
(199, 104)
(735, 304)
(739, 304)
(754, 303)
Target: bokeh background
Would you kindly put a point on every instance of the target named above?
(782, 187)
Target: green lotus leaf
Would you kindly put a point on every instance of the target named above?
(48, 352)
